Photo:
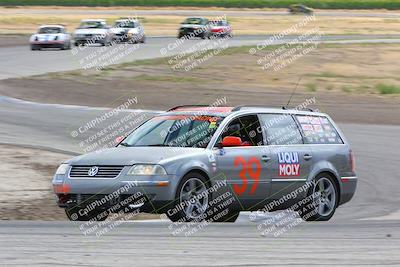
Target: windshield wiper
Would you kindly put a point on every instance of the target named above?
(157, 145)
(125, 144)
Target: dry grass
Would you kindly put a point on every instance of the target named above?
(13, 22)
(369, 69)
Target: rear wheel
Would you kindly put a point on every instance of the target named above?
(324, 200)
(192, 199)
(35, 47)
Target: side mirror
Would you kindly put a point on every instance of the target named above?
(229, 141)
(119, 139)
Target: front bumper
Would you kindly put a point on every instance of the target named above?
(192, 32)
(80, 191)
(51, 44)
(90, 39)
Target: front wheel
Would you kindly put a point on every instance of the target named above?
(192, 199)
(322, 200)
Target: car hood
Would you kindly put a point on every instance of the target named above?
(190, 26)
(119, 30)
(90, 31)
(47, 36)
(131, 155)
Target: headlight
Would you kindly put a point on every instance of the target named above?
(147, 169)
(62, 169)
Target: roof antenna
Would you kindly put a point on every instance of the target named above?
(294, 90)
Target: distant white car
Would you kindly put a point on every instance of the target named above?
(50, 36)
(93, 31)
(128, 30)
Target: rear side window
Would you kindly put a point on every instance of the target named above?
(318, 130)
(281, 129)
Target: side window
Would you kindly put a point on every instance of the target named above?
(281, 129)
(318, 130)
(247, 128)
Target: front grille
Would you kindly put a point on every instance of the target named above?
(103, 171)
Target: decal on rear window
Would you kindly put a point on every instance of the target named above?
(318, 130)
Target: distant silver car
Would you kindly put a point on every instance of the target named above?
(93, 31)
(128, 30)
(209, 163)
(50, 36)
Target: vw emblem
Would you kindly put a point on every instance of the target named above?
(93, 171)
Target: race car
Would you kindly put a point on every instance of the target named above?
(220, 28)
(194, 27)
(197, 163)
(298, 9)
(50, 36)
(128, 30)
(93, 31)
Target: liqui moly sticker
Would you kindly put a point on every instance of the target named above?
(289, 164)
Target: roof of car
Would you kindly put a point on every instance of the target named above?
(225, 111)
(133, 20)
(51, 26)
(99, 20)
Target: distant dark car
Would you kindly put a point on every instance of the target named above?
(220, 28)
(300, 9)
(194, 27)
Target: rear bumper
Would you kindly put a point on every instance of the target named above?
(348, 188)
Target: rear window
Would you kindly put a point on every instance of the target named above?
(318, 130)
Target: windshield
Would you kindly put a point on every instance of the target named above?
(50, 30)
(91, 25)
(125, 24)
(218, 23)
(193, 21)
(175, 131)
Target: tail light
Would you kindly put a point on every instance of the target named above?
(352, 161)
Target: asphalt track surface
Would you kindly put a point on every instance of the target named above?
(152, 244)
(362, 232)
(20, 61)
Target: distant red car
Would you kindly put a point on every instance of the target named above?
(220, 28)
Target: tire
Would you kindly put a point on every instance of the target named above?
(193, 209)
(73, 215)
(230, 217)
(324, 196)
(76, 44)
(34, 47)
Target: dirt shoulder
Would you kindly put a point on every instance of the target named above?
(25, 178)
(26, 192)
(353, 83)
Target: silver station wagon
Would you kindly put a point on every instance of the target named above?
(197, 163)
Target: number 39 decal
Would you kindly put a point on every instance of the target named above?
(250, 168)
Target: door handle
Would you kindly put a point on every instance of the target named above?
(265, 158)
(307, 157)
